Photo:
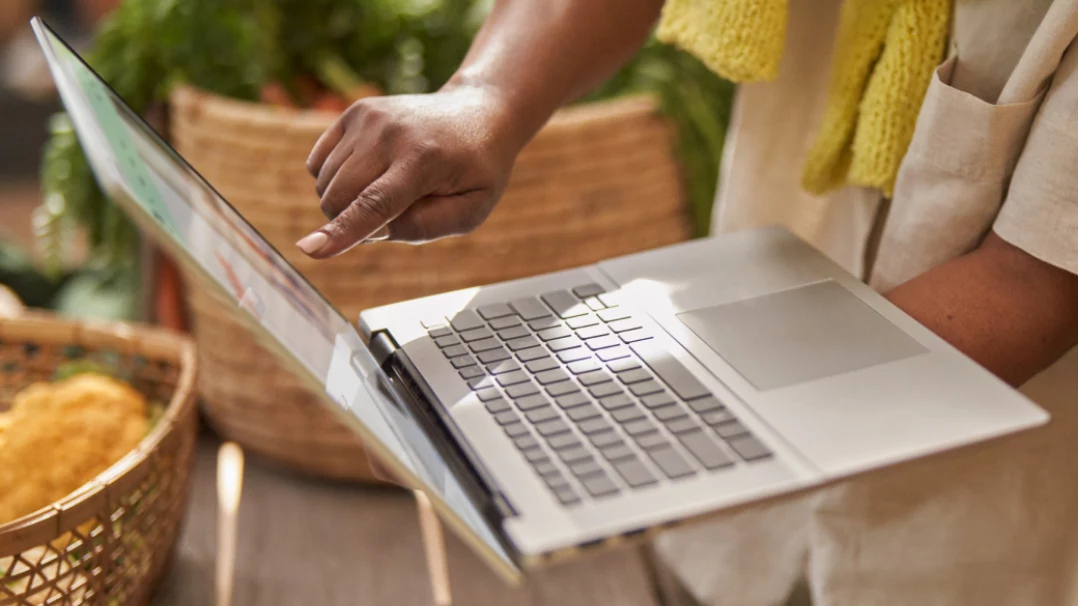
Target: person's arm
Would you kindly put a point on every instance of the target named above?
(420, 167)
(1011, 312)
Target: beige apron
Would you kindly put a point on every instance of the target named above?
(993, 524)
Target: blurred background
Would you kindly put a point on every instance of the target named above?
(634, 165)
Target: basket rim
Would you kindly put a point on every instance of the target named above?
(49, 522)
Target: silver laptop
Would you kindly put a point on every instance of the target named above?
(553, 414)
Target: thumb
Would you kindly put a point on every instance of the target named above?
(365, 218)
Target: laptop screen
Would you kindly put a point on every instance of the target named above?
(174, 204)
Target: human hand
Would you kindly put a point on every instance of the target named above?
(411, 168)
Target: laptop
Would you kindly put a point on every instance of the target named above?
(559, 414)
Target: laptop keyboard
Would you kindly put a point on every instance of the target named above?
(593, 402)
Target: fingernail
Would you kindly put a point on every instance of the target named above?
(312, 243)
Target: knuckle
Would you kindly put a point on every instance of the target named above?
(375, 203)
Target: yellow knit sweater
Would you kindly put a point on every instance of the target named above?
(885, 53)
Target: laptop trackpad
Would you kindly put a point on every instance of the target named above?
(800, 335)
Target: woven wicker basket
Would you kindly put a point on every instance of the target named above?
(599, 181)
(108, 543)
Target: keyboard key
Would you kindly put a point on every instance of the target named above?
(542, 364)
(496, 310)
(715, 417)
(506, 417)
(506, 322)
(522, 389)
(494, 355)
(648, 441)
(546, 469)
(634, 376)
(556, 482)
(556, 332)
(480, 383)
(594, 303)
(634, 472)
(560, 389)
(515, 430)
(583, 413)
(539, 415)
(497, 405)
(472, 372)
(511, 378)
(567, 497)
(563, 344)
(531, 402)
(620, 326)
(749, 448)
(550, 428)
(645, 388)
(534, 353)
(454, 351)
(640, 427)
(604, 438)
(431, 323)
(563, 440)
(536, 455)
(682, 425)
(484, 345)
(604, 389)
(669, 413)
(617, 451)
(466, 320)
(599, 485)
(551, 376)
(526, 442)
(573, 399)
(582, 322)
(613, 315)
(529, 308)
(522, 343)
(632, 336)
(462, 361)
(564, 304)
(624, 364)
(707, 404)
(602, 342)
(515, 332)
(598, 425)
(583, 366)
(594, 378)
(446, 341)
(616, 401)
(508, 365)
(731, 429)
(591, 332)
(487, 395)
(705, 449)
(576, 453)
(657, 400)
(574, 355)
(542, 323)
(670, 370)
(613, 353)
(628, 413)
(476, 334)
(671, 463)
(585, 468)
(588, 290)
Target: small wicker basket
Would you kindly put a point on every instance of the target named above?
(598, 181)
(108, 543)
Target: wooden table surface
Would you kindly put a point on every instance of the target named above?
(304, 541)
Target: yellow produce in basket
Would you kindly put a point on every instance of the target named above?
(58, 436)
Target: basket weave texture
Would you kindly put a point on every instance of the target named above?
(108, 543)
(598, 181)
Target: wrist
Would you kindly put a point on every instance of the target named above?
(510, 120)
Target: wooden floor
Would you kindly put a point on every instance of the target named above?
(303, 541)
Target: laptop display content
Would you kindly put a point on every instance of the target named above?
(172, 202)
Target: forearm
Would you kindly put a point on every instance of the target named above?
(540, 54)
(1010, 312)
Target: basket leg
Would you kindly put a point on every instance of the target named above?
(434, 546)
(229, 490)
